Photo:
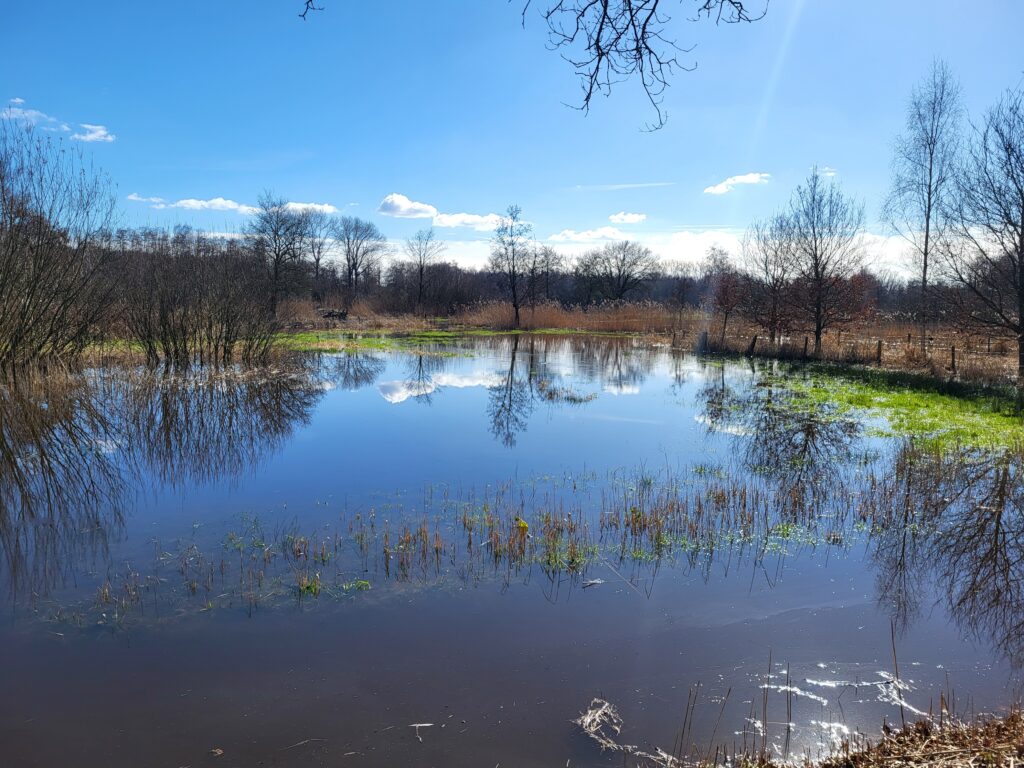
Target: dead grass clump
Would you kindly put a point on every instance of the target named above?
(997, 741)
(617, 317)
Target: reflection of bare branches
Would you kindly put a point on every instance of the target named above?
(207, 425)
(355, 370)
(60, 483)
(960, 517)
(72, 447)
(510, 402)
(420, 379)
(801, 449)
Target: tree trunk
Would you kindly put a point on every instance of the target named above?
(1020, 362)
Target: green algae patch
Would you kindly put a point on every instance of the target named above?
(945, 414)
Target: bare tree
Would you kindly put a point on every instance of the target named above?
(825, 226)
(607, 41)
(511, 253)
(612, 40)
(423, 250)
(319, 237)
(362, 246)
(725, 285)
(768, 258)
(985, 258)
(923, 169)
(55, 211)
(617, 270)
(549, 263)
(277, 234)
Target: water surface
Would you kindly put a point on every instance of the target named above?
(293, 566)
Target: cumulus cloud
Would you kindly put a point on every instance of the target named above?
(135, 197)
(402, 207)
(223, 204)
(213, 204)
(733, 181)
(17, 100)
(92, 132)
(627, 218)
(304, 207)
(485, 223)
(588, 235)
(826, 170)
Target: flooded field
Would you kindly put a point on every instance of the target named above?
(446, 552)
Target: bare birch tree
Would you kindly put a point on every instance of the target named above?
(511, 253)
(923, 170)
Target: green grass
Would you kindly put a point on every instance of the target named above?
(944, 413)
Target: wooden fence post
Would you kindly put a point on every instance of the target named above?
(878, 353)
(952, 359)
(702, 345)
(753, 343)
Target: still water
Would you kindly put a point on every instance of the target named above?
(442, 555)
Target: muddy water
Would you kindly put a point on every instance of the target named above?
(295, 566)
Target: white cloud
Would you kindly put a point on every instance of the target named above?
(93, 133)
(89, 132)
(627, 218)
(691, 246)
(30, 116)
(480, 223)
(213, 204)
(223, 204)
(744, 178)
(588, 235)
(135, 197)
(402, 207)
(826, 170)
(304, 207)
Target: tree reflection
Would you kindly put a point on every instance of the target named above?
(510, 402)
(210, 425)
(61, 482)
(352, 370)
(955, 518)
(801, 448)
(74, 447)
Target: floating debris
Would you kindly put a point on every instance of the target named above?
(602, 723)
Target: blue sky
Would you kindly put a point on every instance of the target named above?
(455, 106)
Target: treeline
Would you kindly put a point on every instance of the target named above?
(68, 277)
